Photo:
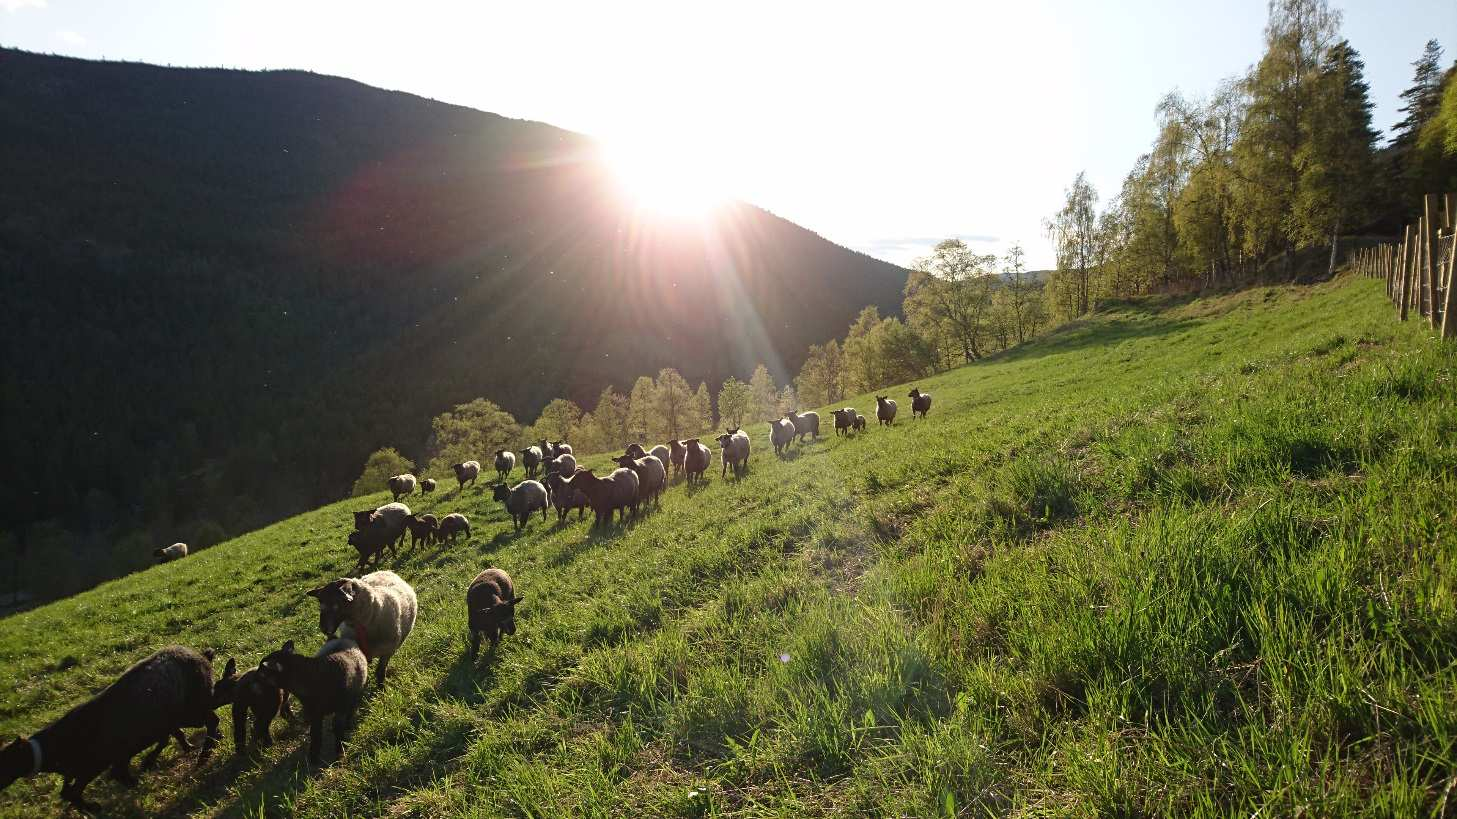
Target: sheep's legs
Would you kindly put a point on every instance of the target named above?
(72, 791)
(384, 663)
(316, 738)
(240, 728)
(156, 751)
(121, 772)
(475, 644)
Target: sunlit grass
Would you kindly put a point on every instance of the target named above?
(1182, 558)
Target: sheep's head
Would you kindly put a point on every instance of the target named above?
(16, 760)
(636, 450)
(225, 690)
(500, 614)
(271, 669)
(723, 440)
(500, 492)
(336, 602)
(625, 461)
(914, 393)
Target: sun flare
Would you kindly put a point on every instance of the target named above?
(669, 180)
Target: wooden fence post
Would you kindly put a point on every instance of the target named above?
(1404, 298)
(1449, 327)
(1429, 239)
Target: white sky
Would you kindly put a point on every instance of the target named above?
(882, 126)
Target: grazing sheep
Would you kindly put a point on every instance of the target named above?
(385, 527)
(167, 554)
(615, 493)
(848, 420)
(250, 695)
(452, 525)
(521, 500)
(330, 682)
(564, 498)
(427, 485)
(884, 410)
(781, 434)
(466, 472)
(402, 485)
(564, 464)
(735, 446)
(423, 529)
(531, 458)
(490, 608)
(860, 423)
(376, 611)
(676, 451)
(361, 518)
(505, 462)
(148, 705)
(696, 459)
(652, 477)
(807, 423)
(920, 402)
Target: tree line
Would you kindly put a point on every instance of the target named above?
(1261, 177)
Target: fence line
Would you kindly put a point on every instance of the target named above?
(1418, 270)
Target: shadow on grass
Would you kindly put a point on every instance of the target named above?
(1099, 332)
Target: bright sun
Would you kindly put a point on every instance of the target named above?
(669, 180)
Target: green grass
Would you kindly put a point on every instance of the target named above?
(1185, 557)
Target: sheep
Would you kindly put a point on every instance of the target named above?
(402, 485)
(884, 410)
(531, 458)
(361, 518)
(859, 423)
(564, 464)
(735, 446)
(635, 450)
(427, 485)
(564, 498)
(505, 462)
(385, 527)
(167, 554)
(423, 529)
(847, 419)
(490, 607)
(330, 682)
(452, 525)
(561, 448)
(696, 459)
(652, 477)
(615, 493)
(466, 472)
(920, 402)
(662, 453)
(547, 450)
(148, 705)
(781, 433)
(377, 611)
(676, 451)
(807, 423)
(250, 695)
(521, 500)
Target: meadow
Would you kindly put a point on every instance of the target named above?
(1182, 557)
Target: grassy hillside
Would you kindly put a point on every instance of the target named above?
(1180, 558)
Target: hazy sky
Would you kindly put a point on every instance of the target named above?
(882, 126)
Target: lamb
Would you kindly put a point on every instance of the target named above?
(781, 433)
(564, 464)
(167, 554)
(531, 458)
(735, 446)
(490, 607)
(920, 402)
(147, 706)
(885, 410)
(505, 462)
(250, 695)
(564, 498)
(423, 529)
(676, 451)
(377, 611)
(521, 500)
(427, 485)
(402, 485)
(466, 472)
(859, 423)
(696, 459)
(452, 525)
(807, 423)
(615, 493)
(846, 421)
(652, 477)
(330, 682)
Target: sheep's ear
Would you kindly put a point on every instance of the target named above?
(231, 668)
(288, 647)
(317, 592)
(517, 600)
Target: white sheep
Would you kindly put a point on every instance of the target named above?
(564, 464)
(466, 472)
(521, 500)
(176, 551)
(505, 462)
(781, 433)
(377, 611)
(402, 485)
(735, 446)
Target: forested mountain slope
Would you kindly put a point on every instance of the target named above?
(224, 289)
(1182, 557)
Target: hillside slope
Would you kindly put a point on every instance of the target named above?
(1181, 558)
(226, 288)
